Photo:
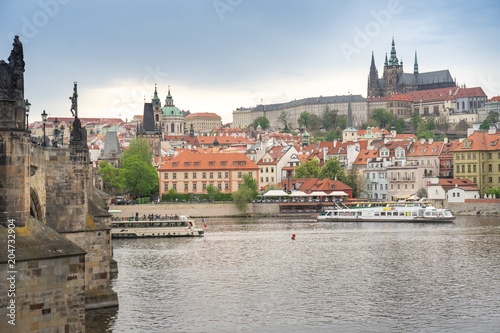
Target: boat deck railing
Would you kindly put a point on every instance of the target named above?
(154, 218)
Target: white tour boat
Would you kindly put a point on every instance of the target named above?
(182, 227)
(386, 212)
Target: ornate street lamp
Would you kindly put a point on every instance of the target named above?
(62, 135)
(27, 106)
(44, 121)
(56, 131)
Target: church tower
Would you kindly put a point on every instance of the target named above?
(392, 71)
(373, 86)
(156, 108)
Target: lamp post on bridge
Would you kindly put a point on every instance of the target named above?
(44, 121)
(62, 135)
(27, 106)
(56, 132)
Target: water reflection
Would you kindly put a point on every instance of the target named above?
(247, 275)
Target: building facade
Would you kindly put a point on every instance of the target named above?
(192, 172)
(203, 121)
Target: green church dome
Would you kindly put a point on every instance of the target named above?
(171, 111)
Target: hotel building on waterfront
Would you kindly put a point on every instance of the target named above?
(192, 172)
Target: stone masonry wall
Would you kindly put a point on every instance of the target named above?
(49, 296)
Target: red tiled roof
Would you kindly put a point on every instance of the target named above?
(188, 160)
(480, 140)
(495, 99)
(425, 149)
(201, 115)
(400, 97)
(364, 155)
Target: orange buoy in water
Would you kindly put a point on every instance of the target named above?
(293, 236)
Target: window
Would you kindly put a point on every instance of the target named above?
(165, 187)
(267, 179)
(242, 162)
(204, 175)
(272, 169)
(267, 169)
(211, 175)
(186, 187)
(261, 169)
(272, 179)
(219, 186)
(226, 186)
(219, 175)
(474, 156)
(165, 175)
(196, 163)
(468, 156)
(174, 186)
(235, 163)
(261, 179)
(186, 175)
(211, 163)
(187, 163)
(239, 174)
(463, 168)
(490, 168)
(194, 175)
(490, 179)
(474, 168)
(468, 167)
(194, 187)
(174, 175)
(226, 174)
(490, 156)
(223, 163)
(204, 186)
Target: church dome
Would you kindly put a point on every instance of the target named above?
(171, 111)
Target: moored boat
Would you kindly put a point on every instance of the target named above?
(182, 227)
(386, 212)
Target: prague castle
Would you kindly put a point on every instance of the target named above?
(394, 81)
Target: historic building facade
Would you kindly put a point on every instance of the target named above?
(395, 81)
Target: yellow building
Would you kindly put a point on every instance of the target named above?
(202, 121)
(477, 158)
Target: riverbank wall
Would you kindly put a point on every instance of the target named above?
(197, 210)
(489, 207)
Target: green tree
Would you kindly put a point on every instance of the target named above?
(462, 125)
(138, 147)
(492, 118)
(212, 192)
(329, 120)
(309, 169)
(415, 120)
(355, 181)
(431, 124)
(111, 177)
(422, 193)
(341, 122)
(304, 120)
(400, 126)
(315, 122)
(262, 121)
(484, 125)
(442, 136)
(495, 191)
(332, 170)
(284, 119)
(334, 134)
(246, 192)
(382, 116)
(141, 178)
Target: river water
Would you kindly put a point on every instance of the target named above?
(248, 275)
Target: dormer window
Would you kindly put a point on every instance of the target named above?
(223, 163)
(175, 164)
(242, 162)
(211, 163)
(187, 163)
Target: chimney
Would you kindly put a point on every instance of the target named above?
(335, 143)
(445, 140)
(422, 141)
(492, 130)
(431, 140)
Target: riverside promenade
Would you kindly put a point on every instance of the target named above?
(197, 210)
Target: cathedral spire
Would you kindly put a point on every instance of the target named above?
(393, 60)
(386, 63)
(415, 67)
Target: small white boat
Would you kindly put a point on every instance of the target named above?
(386, 212)
(182, 227)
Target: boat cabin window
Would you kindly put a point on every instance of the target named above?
(358, 213)
(382, 213)
(434, 213)
(377, 213)
(413, 213)
(401, 213)
(427, 213)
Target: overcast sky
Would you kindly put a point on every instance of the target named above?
(218, 55)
